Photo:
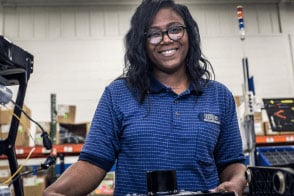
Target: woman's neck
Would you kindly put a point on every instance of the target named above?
(178, 82)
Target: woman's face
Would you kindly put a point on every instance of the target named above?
(168, 55)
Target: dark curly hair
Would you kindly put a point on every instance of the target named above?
(138, 66)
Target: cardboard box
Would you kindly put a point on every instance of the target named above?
(258, 128)
(25, 121)
(32, 186)
(4, 130)
(268, 129)
(35, 190)
(238, 100)
(22, 137)
(73, 133)
(66, 113)
(5, 116)
(4, 173)
(258, 124)
(257, 117)
(24, 126)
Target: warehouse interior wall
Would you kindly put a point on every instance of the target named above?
(79, 49)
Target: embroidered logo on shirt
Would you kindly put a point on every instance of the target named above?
(212, 118)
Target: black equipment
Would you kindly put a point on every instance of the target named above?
(164, 182)
(270, 181)
(16, 65)
(13, 57)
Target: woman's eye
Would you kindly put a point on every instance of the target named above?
(154, 34)
(174, 29)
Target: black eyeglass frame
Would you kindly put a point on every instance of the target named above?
(148, 35)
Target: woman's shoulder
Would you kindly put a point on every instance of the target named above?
(218, 86)
(118, 83)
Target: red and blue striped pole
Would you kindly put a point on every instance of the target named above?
(240, 16)
(248, 95)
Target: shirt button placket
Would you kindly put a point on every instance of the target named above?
(177, 113)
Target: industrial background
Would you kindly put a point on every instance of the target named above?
(78, 49)
(78, 46)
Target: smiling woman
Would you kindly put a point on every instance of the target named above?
(168, 55)
(164, 113)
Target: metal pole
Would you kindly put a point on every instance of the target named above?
(248, 121)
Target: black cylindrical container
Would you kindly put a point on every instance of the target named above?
(163, 182)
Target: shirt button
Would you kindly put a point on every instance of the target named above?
(177, 113)
(176, 101)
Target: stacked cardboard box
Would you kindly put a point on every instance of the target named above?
(23, 131)
(66, 113)
(258, 123)
(69, 130)
(4, 173)
(33, 186)
(73, 132)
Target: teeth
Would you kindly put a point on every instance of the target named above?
(167, 52)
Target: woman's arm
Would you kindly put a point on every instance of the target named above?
(233, 179)
(79, 179)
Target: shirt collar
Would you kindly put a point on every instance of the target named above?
(157, 87)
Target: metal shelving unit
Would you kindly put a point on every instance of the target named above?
(40, 151)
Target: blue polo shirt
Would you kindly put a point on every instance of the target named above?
(196, 135)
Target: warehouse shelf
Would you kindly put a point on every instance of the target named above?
(275, 139)
(74, 149)
(40, 151)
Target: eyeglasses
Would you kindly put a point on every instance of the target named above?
(174, 33)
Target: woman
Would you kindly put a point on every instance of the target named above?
(164, 113)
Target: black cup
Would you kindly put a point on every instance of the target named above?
(163, 182)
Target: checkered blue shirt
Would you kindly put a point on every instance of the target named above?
(196, 135)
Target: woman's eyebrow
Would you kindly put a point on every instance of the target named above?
(166, 27)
